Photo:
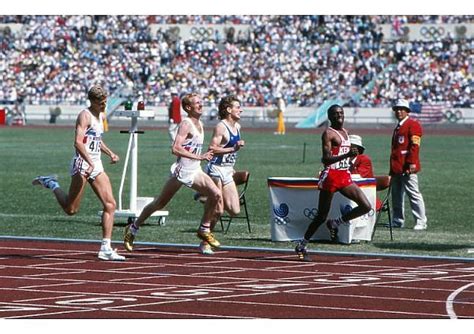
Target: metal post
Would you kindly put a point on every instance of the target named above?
(304, 152)
(134, 164)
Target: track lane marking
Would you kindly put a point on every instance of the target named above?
(346, 309)
(451, 298)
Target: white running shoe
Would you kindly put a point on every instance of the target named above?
(110, 255)
(49, 181)
(205, 248)
(420, 227)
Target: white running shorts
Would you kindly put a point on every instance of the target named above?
(79, 165)
(225, 173)
(185, 176)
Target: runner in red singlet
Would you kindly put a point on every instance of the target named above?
(337, 152)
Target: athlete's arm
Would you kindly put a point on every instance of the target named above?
(328, 138)
(113, 157)
(218, 139)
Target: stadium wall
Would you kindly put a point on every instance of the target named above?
(202, 32)
(40, 114)
(427, 32)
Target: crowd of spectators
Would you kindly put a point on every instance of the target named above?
(308, 59)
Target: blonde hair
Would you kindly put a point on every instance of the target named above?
(186, 101)
(96, 92)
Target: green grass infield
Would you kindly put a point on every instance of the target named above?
(25, 152)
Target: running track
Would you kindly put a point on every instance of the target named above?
(41, 279)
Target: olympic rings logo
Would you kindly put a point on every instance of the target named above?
(432, 32)
(202, 32)
(453, 116)
(310, 213)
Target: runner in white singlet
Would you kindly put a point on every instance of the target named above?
(187, 146)
(185, 169)
(86, 167)
(92, 143)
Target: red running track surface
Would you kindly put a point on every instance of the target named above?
(65, 280)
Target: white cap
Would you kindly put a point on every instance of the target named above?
(356, 140)
(401, 103)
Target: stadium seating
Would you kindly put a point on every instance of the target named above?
(309, 58)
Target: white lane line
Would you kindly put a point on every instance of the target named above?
(451, 298)
(393, 313)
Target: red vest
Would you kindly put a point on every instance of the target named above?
(406, 147)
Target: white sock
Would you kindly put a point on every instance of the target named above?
(105, 245)
(204, 228)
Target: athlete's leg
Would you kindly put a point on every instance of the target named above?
(230, 196)
(103, 189)
(324, 205)
(71, 202)
(213, 207)
(170, 188)
(219, 210)
(354, 193)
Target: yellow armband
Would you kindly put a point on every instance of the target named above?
(416, 140)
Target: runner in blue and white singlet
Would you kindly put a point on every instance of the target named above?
(222, 165)
(227, 159)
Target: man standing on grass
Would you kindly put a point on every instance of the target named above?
(337, 153)
(86, 167)
(404, 166)
(187, 146)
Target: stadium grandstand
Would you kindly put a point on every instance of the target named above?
(365, 61)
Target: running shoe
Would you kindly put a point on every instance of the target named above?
(49, 181)
(332, 227)
(302, 252)
(420, 226)
(205, 248)
(209, 238)
(128, 238)
(110, 255)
